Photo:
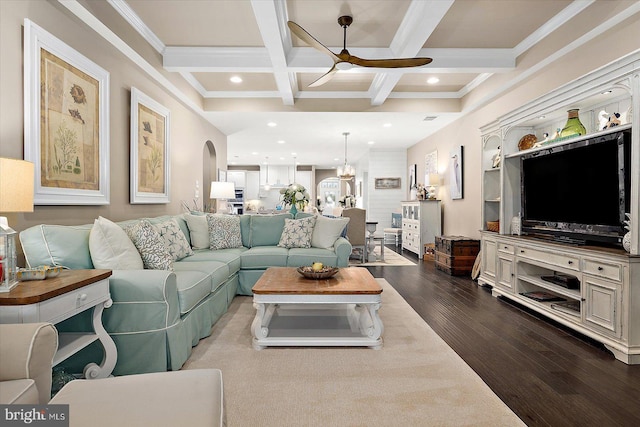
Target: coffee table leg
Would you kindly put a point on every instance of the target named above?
(260, 325)
(370, 323)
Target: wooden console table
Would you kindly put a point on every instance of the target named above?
(59, 298)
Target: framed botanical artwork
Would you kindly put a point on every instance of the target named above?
(66, 121)
(387, 183)
(150, 163)
(456, 176)
(430, 165)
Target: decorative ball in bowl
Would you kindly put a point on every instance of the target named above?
(317, 271)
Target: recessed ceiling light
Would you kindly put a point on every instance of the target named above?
(606, 92)
(293, 154)
(232, 163)
(336, 159)
(272, 124)
(255, 153)
(281, 158)
(371, 142)
(281, 142)
(433, 80)
(542, 117)
(236, 79)
(387, 125)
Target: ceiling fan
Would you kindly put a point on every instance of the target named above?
(344, 60)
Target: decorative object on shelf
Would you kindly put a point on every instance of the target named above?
(495, 160)
(150, 161)
(346, 172)
(66, 124)
(613, 121)
(626, 239)
(387, 183)
(316, 273)
(295, 196)
(413, 194)
(603, 119)
(347, 201)
(544, 141)
(493, 226)
(16, 195)
(456, 173)
(574, 126)
(25, 274)
(527, 141)
(515, 225)
(222, 190)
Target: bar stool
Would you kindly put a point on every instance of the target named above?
(393, 233)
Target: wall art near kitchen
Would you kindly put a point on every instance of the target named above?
(66, 122)
(150, 162)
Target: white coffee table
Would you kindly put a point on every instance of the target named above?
(294, 311)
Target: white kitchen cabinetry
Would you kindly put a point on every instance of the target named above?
(238, 177)
(252, 190)
(421, 223)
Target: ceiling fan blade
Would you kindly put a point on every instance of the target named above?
(325, 78)
(389, 63)
(310, 40)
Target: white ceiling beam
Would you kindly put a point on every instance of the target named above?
(309, 60)
(271, 16)
(419, 22)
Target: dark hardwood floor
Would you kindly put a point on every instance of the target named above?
(546, 373)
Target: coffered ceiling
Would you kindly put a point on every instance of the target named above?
(208, 42)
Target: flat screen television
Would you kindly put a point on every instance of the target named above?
(578, 192)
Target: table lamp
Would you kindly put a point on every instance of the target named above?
(222, 190)
(16, 195)
(434, 180)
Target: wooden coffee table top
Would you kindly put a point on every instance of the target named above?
(286, 280)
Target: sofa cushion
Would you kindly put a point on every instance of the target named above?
(264, 257)
(218, 271)
(19, 392)
(245, 229)
(297, 233)
(198, 231)
(63, 245)
(111, 248)
(224, 231)
(174, 239)
(267, 229)
(150, 245)
(327, 230)
(231, 257)
(193, 287)
(299, 257)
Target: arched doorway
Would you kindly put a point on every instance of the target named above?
(209, 173)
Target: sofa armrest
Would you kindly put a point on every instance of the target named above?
(342, 248)
(142, 300)
(26, 352)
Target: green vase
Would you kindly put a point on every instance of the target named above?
(293, 210)
(573, 126)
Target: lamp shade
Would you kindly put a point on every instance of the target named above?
(434, 179)
(222, 190)
(16, 185)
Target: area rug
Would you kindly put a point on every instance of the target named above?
(416, 379)
(391, 258)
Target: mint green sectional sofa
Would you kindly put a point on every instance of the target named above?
(158, 315)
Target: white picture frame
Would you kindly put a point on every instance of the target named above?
(150, 166)
(66, 121)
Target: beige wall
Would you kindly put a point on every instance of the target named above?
(497, 96)
(189, 130)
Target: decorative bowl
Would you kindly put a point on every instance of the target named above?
(324, 273)
(31, 274)
(52, 271)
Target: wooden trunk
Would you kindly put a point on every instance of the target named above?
(455, 255)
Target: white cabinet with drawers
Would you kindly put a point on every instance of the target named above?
(421, 223)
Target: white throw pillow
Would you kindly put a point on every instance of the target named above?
(297, 233)
(198, 231)
(327, 230)
(111, 248)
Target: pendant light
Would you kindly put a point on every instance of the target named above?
(346, 172)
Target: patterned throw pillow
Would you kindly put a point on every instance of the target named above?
(174, 239)
(297, 233)
(224, 231)
(147, 240)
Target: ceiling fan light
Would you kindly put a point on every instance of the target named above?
(344, 66)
